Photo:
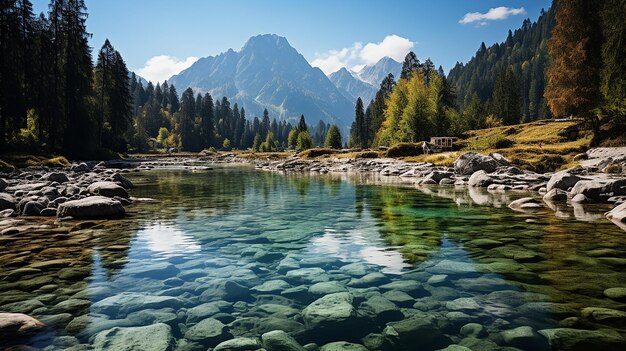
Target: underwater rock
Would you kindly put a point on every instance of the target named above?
(156, 337)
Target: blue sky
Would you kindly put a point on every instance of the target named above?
(159, 37)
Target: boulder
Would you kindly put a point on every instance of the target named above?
(108, 189)
(525, 203)
(238, 344)
(32, 208)
(470, 162)
(126, 302)
(343, 346)
(562, 180)
(555, 195)
(618, 213)
(14, 325)
(380, 309)
(437, 176)
(58, 177)
(278, 340)
(123, 181)
(580, 339)
(91, 207)
(7, 202)
(155, 337)
(332, 312)
(480, 179)
(592, 189)
(416, 330)
(209, 332)
(3, 184)
(79, 167)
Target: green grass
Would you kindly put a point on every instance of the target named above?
(21, 160)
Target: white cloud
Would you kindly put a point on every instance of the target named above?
(494, 14)
(359, 55)
(162, 67)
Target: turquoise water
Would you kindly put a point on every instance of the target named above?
(248, 251)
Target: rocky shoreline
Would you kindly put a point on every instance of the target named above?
(588, 183)
(99, 190)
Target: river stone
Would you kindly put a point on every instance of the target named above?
(108, 189)
(618, 213)
(123, 181)
(32, 208)
(399, 297)
(452, 267)
(325, 288)
(331, 312)
(58, 177)
(307, 275)
(555, 195)
(126, 302)
(605, 315)
(368, 280)
(381, 309)
(7, 202)
(18, 324)
(3, 184)
(562, 180)
(523, 337)
(474, 330)
(617, 294)
(480, 179)
(91, 207)
(583, 340)
(356, 269)
(157, 270)
(238, 344)
(470, 162)
(416, 330)
(525, 203)
(278, 340)
(592, 189)
(209, 332)
(156, 337)
(463, 303)
(343, 346)
(206, 310)
(271, 287)
(455, 347)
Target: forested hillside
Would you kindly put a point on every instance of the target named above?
(525, 52)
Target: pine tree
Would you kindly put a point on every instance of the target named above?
(506, 100)
(333, 138)
(206, 121)
(613, 63)
(302, 125)
(358, 136)
(410, 65)
(574, 74)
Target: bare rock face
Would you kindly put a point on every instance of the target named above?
(91, 207)
(14, 325)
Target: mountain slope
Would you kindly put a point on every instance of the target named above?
(352, 87)
(525, 51)
(268, 73)
(375, 74)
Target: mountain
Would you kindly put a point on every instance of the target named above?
(374, 74)
(269, 73)
(352, 87)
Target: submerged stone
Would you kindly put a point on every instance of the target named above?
(156, 337)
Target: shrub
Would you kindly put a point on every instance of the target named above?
(548, 163)
(367, 154)
(405, 149)
(316, 152)
(502, 143)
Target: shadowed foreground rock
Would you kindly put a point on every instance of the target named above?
(92, 207)
(14, 325)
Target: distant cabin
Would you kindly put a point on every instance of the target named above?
(439, 144)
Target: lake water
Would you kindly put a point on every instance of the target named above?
(235, 252)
